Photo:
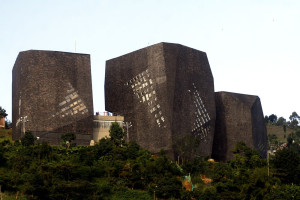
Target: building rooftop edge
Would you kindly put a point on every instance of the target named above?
(52, 51)
(235, 93)
(160, 43)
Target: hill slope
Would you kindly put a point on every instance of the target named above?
(278, 131)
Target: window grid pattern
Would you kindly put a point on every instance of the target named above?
(72, 104)
(201, 125)
(262, 147)
(143, 89)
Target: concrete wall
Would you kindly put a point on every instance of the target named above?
(102, 125)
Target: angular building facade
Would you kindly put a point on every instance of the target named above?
(239, 118)
(54, 90)
(166, 91)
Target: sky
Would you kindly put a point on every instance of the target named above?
(252, 46)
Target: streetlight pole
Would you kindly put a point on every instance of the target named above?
(127, 126)
(268, 160)
(24, 120)
(154, 193)
(0, 193)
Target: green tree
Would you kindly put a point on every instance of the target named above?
(294, 123)
(222, 172)
(266, 119)
(186, 147)
(104, 147)
(286, 163)
(206, 193)
(2, 112)
(116, 134)
(7, 124)
(168, 187)
(273, 140)
(294, 120)
(27, 139)
(257, 186)
(284, 130)
(273, 118)
(2, 158)
(294, 116)
(245, 157)
(294, 141)
(283, 192)
(281, 121)
(67, 139)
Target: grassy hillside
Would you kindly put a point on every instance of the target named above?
(278, 131)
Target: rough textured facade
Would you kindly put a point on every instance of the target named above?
(54, 90)
(166, 91)
(239, 118)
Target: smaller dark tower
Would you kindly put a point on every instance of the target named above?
(54, 90)
(239, 118)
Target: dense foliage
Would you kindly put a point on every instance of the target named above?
(114, 169)
(2, 112)
(293, 122)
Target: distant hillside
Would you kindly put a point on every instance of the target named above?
(271, 129)
(278, 131)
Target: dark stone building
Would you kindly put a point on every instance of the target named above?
(239, 118)
(54, 90)
(166, 91)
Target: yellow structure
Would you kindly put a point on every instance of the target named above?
(2, 122)
(102, 125)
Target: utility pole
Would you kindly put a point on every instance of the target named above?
(24, 120)
(268, 159)
(127, 125)
(154, 193)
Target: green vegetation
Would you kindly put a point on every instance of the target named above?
(27, 139)
(278, 129)
(114, 169)
(10, 196)
(67, 140)
(5, 134)
(2, 112)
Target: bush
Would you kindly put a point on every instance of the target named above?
(131, 194)
(27, 139)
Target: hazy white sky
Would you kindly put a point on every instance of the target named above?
(253, 46)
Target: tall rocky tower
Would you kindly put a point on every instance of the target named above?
(239, 118)
(166, 91)
(54, 90)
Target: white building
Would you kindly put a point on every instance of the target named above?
(102, 124)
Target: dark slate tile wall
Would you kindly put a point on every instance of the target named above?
(54, 90)
(239, 118)
(167, 92)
